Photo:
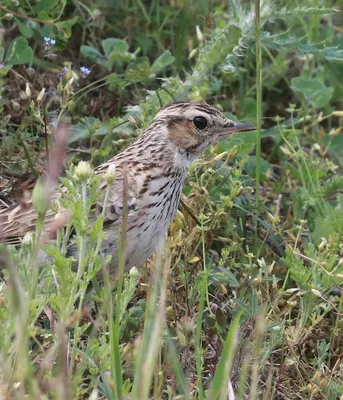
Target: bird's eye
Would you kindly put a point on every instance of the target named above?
(200, 122)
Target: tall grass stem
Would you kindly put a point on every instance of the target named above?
(258, 98)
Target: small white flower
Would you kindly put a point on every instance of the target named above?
(111, 174)
(41, 95)
(134, 273)
(83, 171)
(27, 90)
(27, 239)
(200, 36)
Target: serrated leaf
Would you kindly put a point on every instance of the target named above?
(162, 62)
(81, 129)
(139, 70)
(19, 52)
(92, 54)
(296, 267)
(313, 90)
(308, 48)
(302, 11)
(96, 230)
(113, 45)
(333, 54)
(288, 41)
(330, 223)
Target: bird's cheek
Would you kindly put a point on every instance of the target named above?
(183, 134)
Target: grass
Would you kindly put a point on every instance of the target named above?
(244, 300)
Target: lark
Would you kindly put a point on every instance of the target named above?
(154, 168)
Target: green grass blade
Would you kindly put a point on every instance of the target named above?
(173, 360)
(223, 371)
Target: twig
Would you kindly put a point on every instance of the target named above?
(190, 212)
(41, 21)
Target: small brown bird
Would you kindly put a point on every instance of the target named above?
(155, 168)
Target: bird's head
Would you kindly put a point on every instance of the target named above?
(193, 126)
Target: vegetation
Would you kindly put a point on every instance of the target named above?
(246, 301)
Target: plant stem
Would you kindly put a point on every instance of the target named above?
(258, 99)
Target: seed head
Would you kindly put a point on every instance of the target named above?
(83, 171)
(40, 199)
(111, 174)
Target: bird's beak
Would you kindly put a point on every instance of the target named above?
(241, 127)
(237, 127)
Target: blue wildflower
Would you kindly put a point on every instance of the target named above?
(62, 72)
(48, 43)
(84, 72)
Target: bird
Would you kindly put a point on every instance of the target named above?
(154, 169)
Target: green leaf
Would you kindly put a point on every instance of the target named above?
(249, 109)
(162, 62)
(24, 27)
(19, 52)
(335, 146)
(308, 48)
(302, 12)
(281, 40)
(92, 55)
(329, 53)
(244, 143)
(298, 271)
(113, 45)
(313, 90)
(333, 54)
(325, 226)
(44, 16)
(96, 229)
(221, 274)
(139, 70)
(81, 130)
(123, 57)
(67, 25)
(266, 168)
(44, 5)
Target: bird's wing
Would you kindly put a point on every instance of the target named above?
(124, 188)
(20, 219)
